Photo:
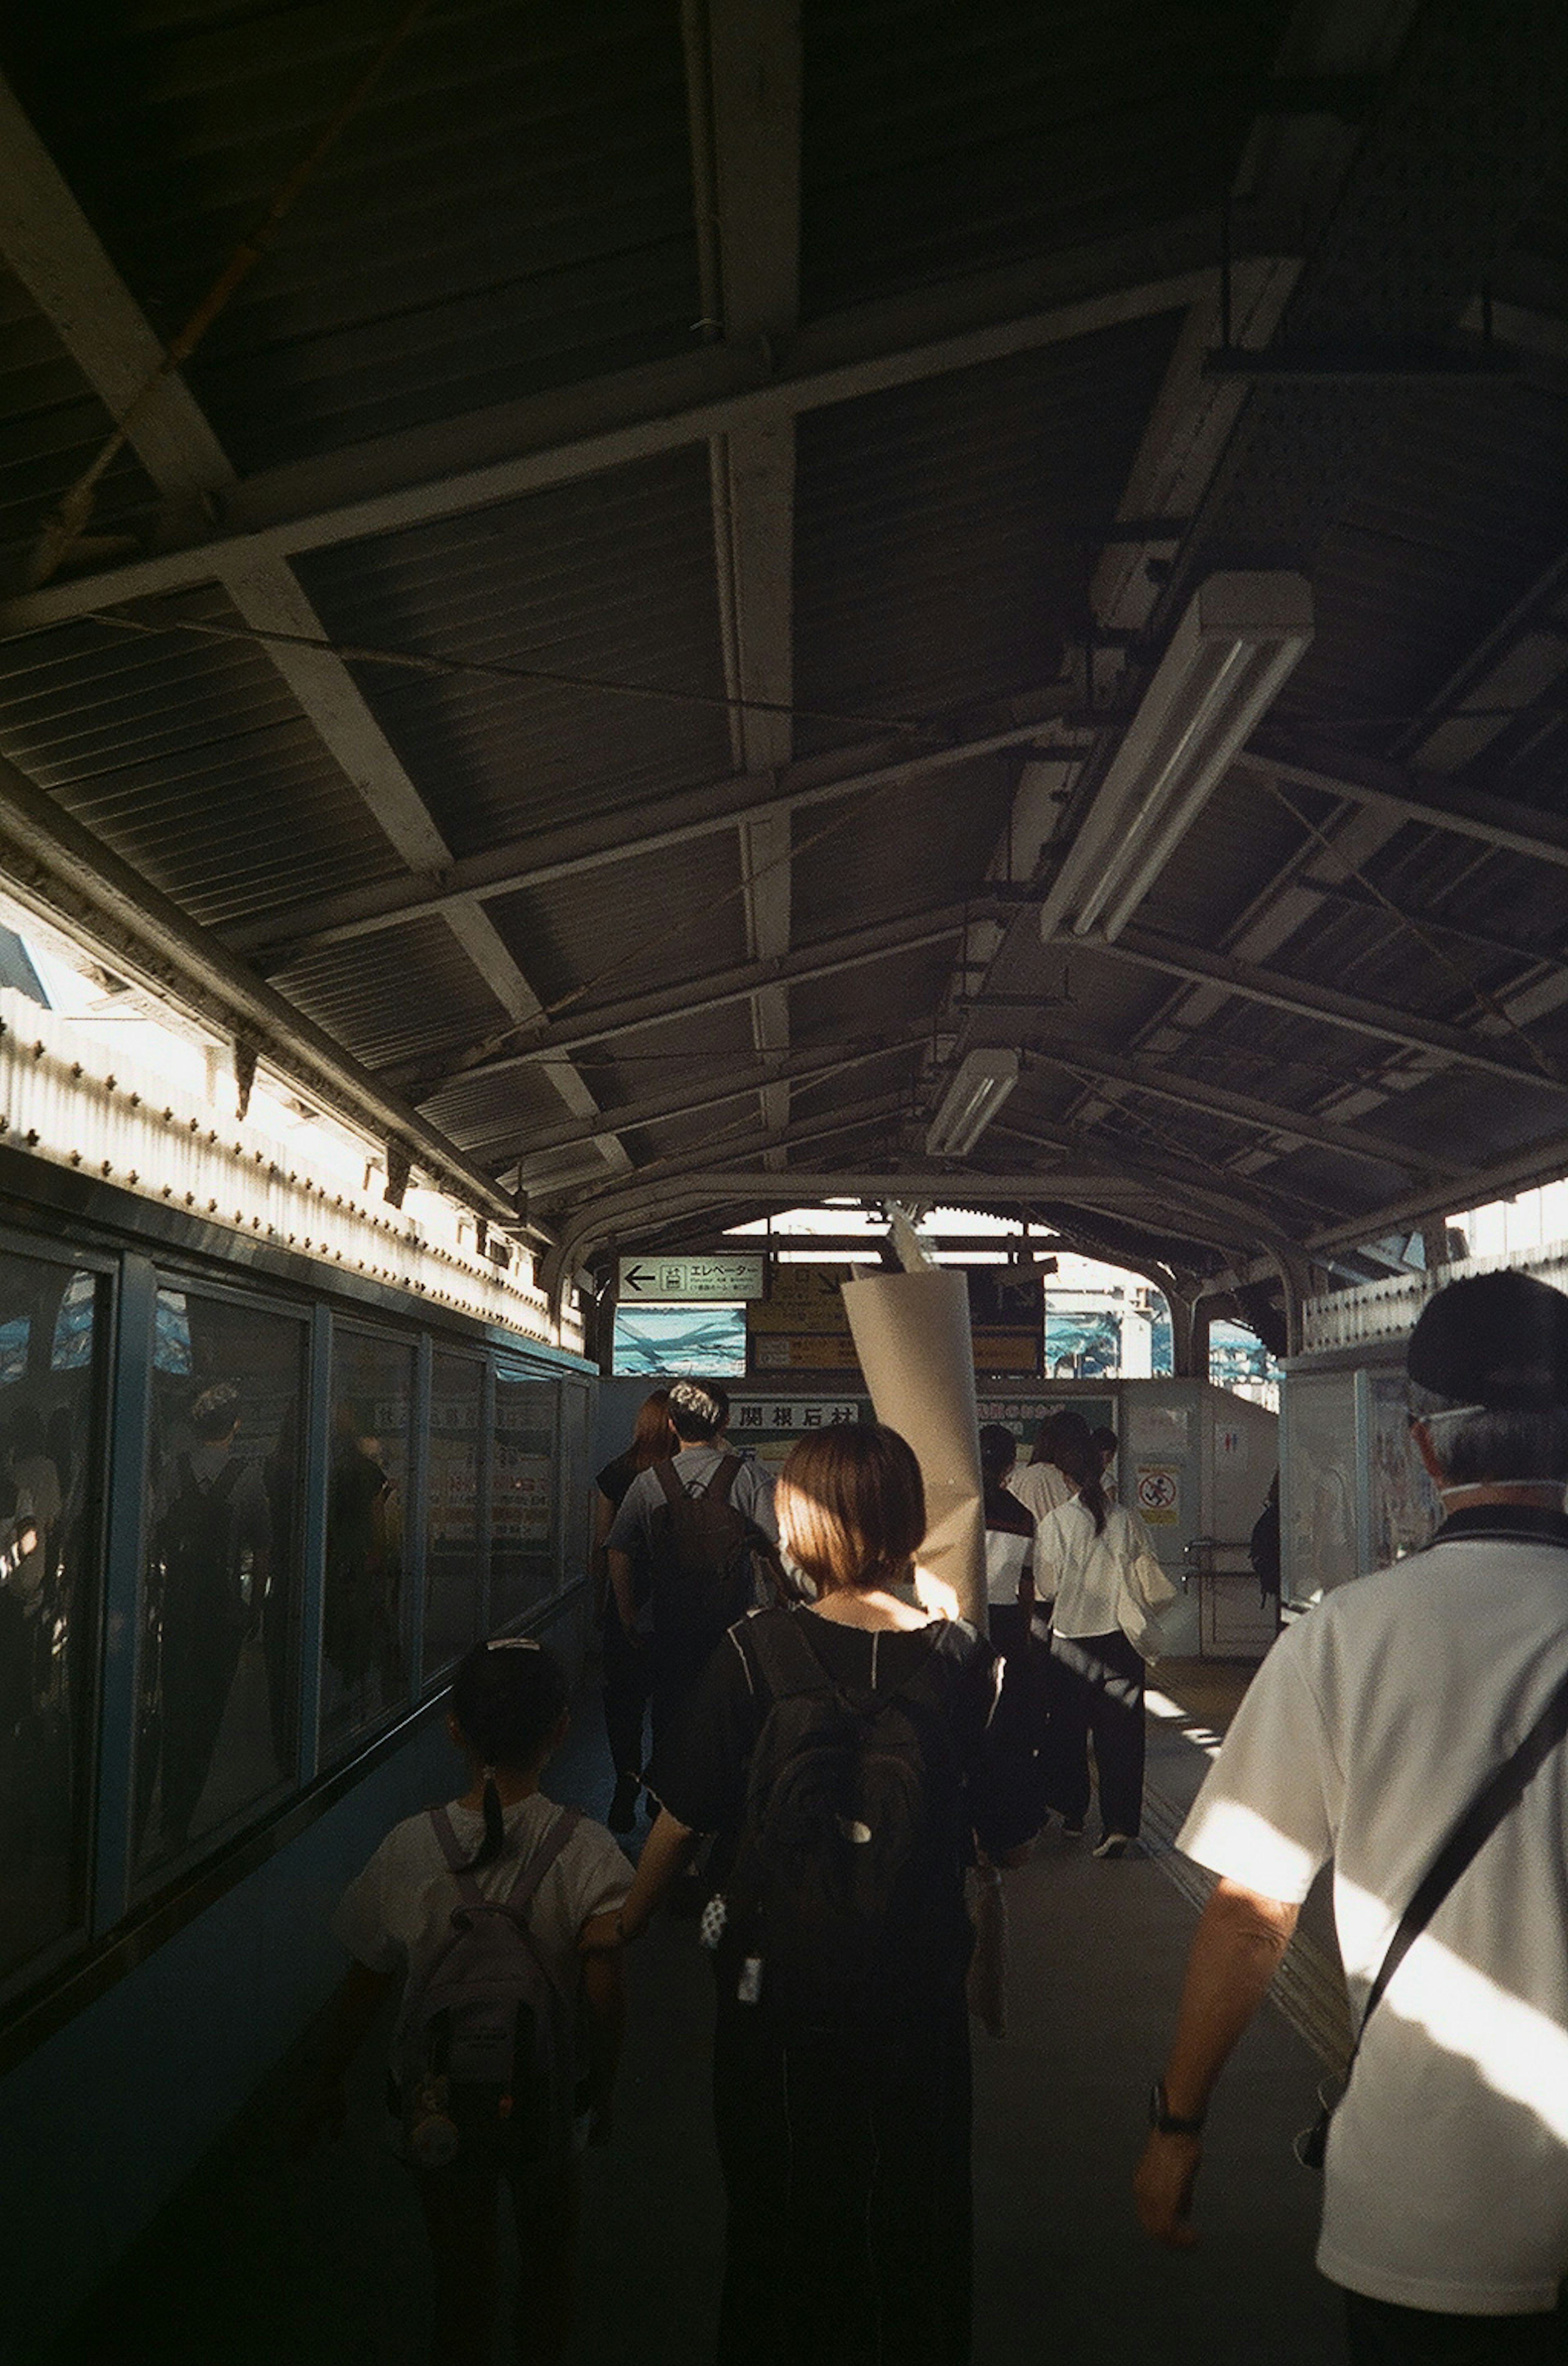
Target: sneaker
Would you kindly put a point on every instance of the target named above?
(623, 1807)
(1116, 1844)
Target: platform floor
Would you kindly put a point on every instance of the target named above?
(257, 2261)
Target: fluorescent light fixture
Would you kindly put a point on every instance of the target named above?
(982, 1084)
(1230, 656)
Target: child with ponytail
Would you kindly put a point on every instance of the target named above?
(508, 1715)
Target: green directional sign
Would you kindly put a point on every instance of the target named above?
(665, 1281)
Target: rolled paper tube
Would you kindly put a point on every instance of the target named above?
(911, 1335)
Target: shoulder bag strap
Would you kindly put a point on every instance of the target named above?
(672, 1489)
(533, 1869)
(1503, 1789)
(724, 1478)
(456, 1855)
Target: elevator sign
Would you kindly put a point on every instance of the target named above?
(691, 1280)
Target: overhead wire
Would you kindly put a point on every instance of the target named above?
(428, 663)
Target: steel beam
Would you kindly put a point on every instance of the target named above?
(804, 1069)
(457, 466)
(1430, 798)
(280, 938)
(697, 997)
(1268, 1117)
(1148, 949)
(744, 74)
(54, 250)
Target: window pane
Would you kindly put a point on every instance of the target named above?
(365, 1674)
(453, 1605)
(522, 1491)
(218, 1673)
(49, 1602)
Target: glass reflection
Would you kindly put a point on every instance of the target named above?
(48, 1599)
(365, 1671)
(522, 1491)
(216, 1722)
(454, 1609)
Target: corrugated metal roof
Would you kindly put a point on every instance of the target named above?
(511, 206)
(54, 426)
(612, 578)
(939, 140)
(191, 758)
(930, 562)
(402, 999)
(627, 929)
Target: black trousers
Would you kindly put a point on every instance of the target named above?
(849, 2231)
(628, 1681)
(1097, 1690)
(1384, 2333)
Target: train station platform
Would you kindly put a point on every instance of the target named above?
(321, 2263)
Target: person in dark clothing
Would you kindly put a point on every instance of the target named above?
(627, 1679)
(843, 2129)
(1009, 1543)
(680, 1635)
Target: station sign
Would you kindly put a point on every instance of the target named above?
(691, 1280)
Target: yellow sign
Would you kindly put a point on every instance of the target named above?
(1157, 1491)
(806, 1300)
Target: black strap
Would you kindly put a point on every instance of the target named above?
(1503, 1789)
(719, 1486)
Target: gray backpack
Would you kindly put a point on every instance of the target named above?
(485, 2056)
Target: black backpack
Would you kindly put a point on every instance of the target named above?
(846, 1902)
(702, 1556)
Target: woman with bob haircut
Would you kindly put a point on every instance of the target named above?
(842, 2113)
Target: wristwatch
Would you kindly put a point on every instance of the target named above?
(1164, 2121)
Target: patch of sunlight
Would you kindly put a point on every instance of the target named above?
(1518, 2050)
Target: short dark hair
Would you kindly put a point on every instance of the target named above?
(1061, 1429)
(999, 1450)
(698, 1411)
(851, 1506)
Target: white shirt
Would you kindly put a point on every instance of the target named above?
(1366, 1733)
(1086, 1572)
(1005, 1558)
(402, 1904)
(1040, 1487)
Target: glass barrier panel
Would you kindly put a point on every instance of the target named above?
(454, 1593)
(50, 1341)
(216, 1670)
(522, 1497)
(364, 1673)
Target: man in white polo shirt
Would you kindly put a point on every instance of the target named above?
(1365, 1736)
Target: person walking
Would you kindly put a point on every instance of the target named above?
(1009, 1545)
(1094, 1561)
(839, 1751)
(627, 1671)
(1410, 1727)
(699, 1523)
(430, 1887)
(1041, 1483)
